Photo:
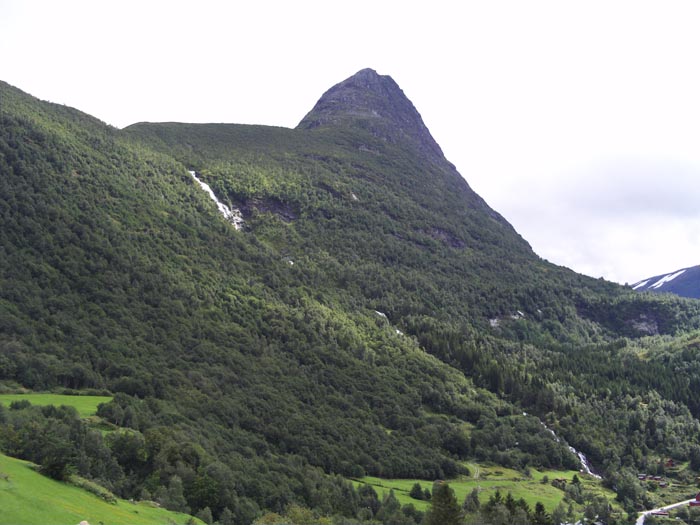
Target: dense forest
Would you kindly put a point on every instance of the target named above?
(372, 317)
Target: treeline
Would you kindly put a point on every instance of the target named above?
(159, 465)
(625, 403)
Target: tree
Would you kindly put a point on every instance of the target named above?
(58, 458)
(695, 457)
(205, 515)
(694, 516)
(390, 506)
(129, 448)
(368, 499)
(519, 517)
(416, 491)
(510, 502)
(226, 517)
(412, 513)
(471, 502)
(499, 515)
(174, 498)
(300, 515)
(540, 516)
(444, 509)
(558, 514)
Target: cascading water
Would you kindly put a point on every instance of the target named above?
(585, 464)
(233, 215)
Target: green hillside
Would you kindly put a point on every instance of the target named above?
(27, 497)
(373, 317)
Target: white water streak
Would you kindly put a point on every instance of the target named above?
(232, 215)
(585, 465)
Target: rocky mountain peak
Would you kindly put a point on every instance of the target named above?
(376, 103)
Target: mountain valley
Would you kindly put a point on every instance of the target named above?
(366, 314)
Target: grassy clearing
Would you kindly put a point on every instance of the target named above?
(85, 405)
(487, 480)
(401, 488)
(27, 497)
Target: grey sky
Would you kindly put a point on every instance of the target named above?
(578, 121)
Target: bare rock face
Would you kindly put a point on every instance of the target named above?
(376, 103)
(645, 325)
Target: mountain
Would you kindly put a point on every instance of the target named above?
(375, 103)
(684, 282)
(371, 315)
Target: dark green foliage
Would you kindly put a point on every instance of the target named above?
(516, 442)
(471, 502)
(390, 507)
(500, 511)
(416, 491)
(60, 442)
(173, 498)
(245, 382)
(559, 514)
(540, 516)
(226, 517)
(205, 515)
(368, 500)
(444, 509)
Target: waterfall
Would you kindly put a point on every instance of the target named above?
(585, 464)
(232, 215)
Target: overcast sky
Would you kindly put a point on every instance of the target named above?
(577, 121)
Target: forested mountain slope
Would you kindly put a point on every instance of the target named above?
(374, 315)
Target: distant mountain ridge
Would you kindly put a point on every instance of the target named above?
(684, 282)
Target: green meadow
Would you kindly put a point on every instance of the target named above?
(487, 480)
(27, 497)
(85, 405)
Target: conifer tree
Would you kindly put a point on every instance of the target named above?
(471, 501)
(540, 516)
(444, 509)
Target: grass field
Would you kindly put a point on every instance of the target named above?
(27, 497)
(85, 405)
(488, 480)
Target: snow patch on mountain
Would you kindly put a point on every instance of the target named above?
(684, 282)
(640, 284)
(666, 279)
